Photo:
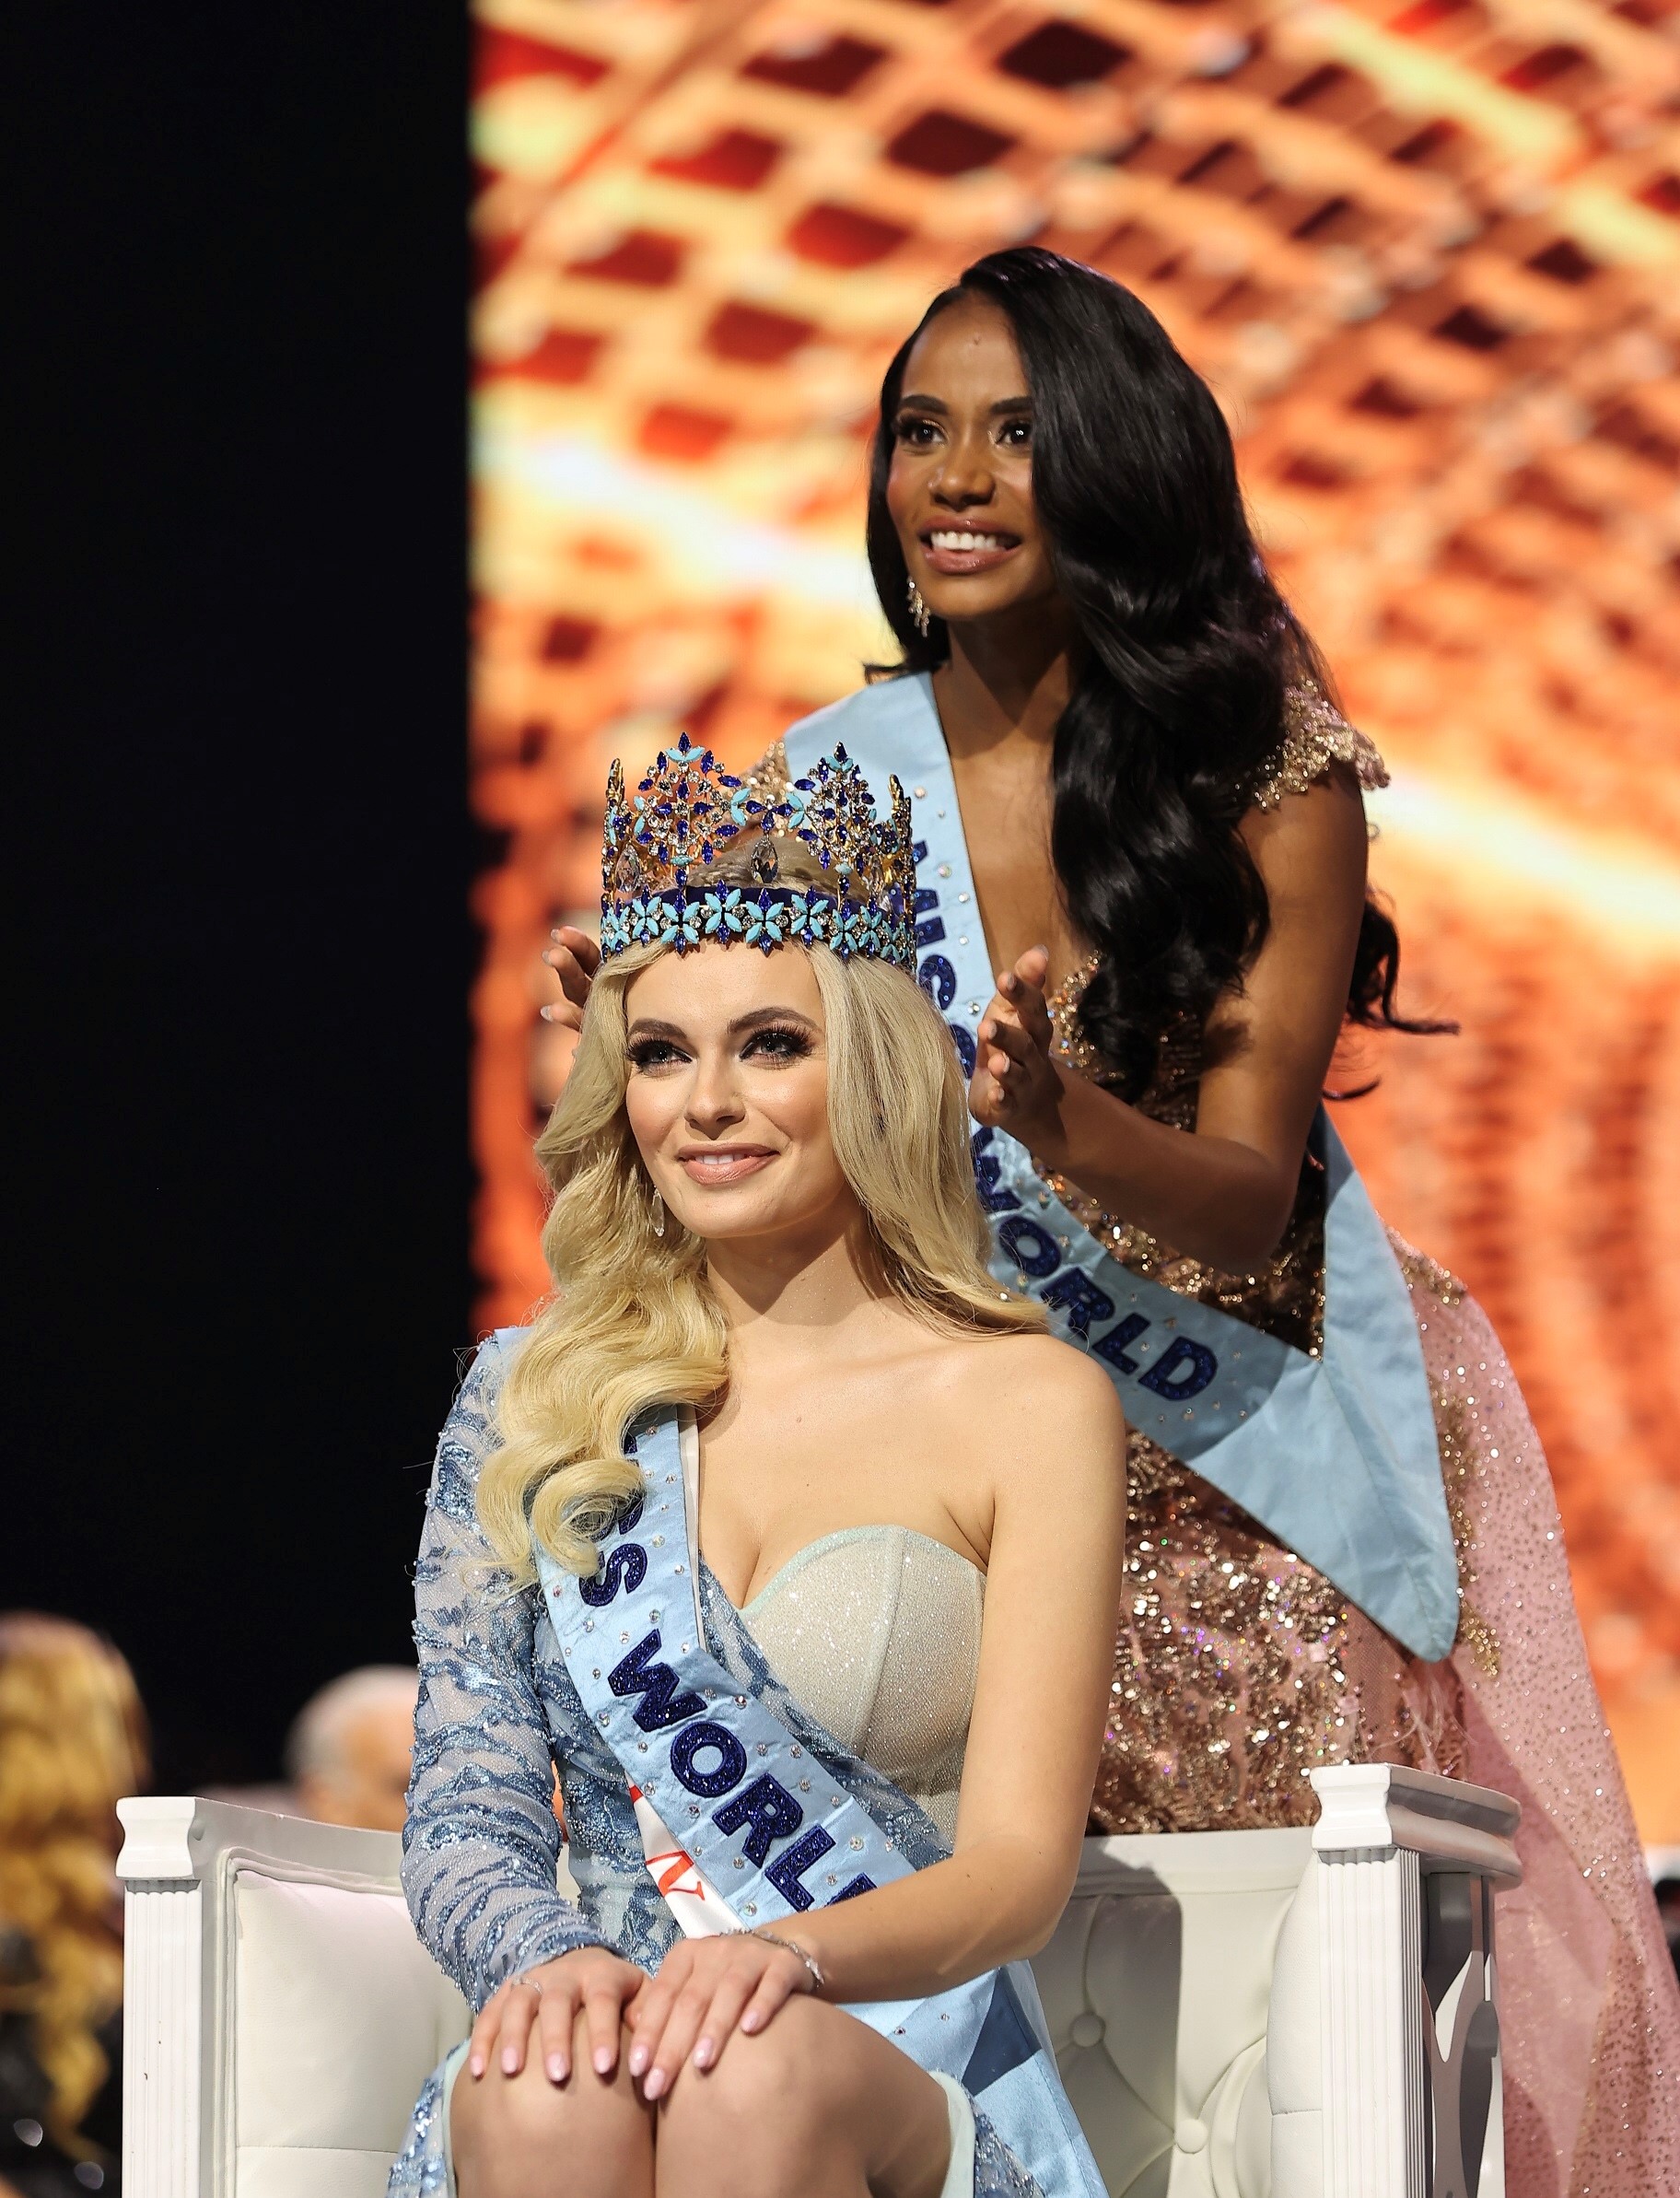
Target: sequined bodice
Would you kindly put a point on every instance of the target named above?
(875, 1632)
(1240, 1668)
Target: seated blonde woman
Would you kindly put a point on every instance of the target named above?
(795, 1543)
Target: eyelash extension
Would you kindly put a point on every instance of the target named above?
(907, 423)
(644, 1053)
(650, 1053)
(798, 1041)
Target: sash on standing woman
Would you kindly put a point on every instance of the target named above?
(742, 1825)
(1335, 1454)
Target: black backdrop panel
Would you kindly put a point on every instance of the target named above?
(239, 1257)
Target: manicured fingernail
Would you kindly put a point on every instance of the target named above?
(554, 934)
(510, 2063)
(556, 2068)
(475, 2067)
(750, 2020)
(547, 1014)
(654, 2085)
(702, 2054)
(638, 2059)
(603, 2060)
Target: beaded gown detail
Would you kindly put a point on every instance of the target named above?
(1239, 1667)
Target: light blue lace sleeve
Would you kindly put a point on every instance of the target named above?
(481, 1844)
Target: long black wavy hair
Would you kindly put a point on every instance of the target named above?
(1178, 695)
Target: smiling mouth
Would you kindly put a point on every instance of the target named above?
(717, 1165)
(966, 549)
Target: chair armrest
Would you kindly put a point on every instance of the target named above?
(177, 1840)
(1372, 1810)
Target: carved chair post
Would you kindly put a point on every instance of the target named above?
(1408, 2017)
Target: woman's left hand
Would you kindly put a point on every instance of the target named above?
(705, 1988)
(1017, 1086)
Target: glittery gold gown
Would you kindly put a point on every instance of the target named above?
(1239, 1667)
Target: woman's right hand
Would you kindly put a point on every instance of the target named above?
(574, 957)
(548, 1999)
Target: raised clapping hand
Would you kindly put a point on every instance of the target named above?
(705, 1988)
(1017, 1086)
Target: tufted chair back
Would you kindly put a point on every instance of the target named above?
(1157, 1988)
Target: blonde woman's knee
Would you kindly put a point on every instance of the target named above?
(524, 2136)
(816, 2105)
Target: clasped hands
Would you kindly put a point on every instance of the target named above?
(1016, 1084)
(704, 1989)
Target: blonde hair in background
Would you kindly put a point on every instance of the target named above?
(72, 1743)
(634, 1322)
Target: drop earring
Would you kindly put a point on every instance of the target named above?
(920, 615)
(659, 1215)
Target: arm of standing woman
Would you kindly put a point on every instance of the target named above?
(1224, 1192)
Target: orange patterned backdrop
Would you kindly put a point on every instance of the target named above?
(1429, 256)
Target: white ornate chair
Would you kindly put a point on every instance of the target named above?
(1307, 2013)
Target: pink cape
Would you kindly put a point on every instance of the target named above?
(1591, 2012)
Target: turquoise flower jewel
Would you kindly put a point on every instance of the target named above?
(614, 930)
(723, 913)
(857, 932)
(766, 923)
(645, 918)
(817, 917)
(683, 925)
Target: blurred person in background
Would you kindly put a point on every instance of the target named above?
(73, 1741)
(347, 1753)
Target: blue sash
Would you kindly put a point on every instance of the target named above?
(774, 1831)
(1335, 1456)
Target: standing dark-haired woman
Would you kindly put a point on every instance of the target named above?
(1137, 803)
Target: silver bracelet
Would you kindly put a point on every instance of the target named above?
(818, 1979)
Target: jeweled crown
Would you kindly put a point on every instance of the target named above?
(695, 856)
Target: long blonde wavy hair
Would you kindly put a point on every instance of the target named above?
(72, 1743)
(634, 1322)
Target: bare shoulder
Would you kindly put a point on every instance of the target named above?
(1051, 1389)
(1317, 840)
(1050, 1369)
(1055, 1438)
